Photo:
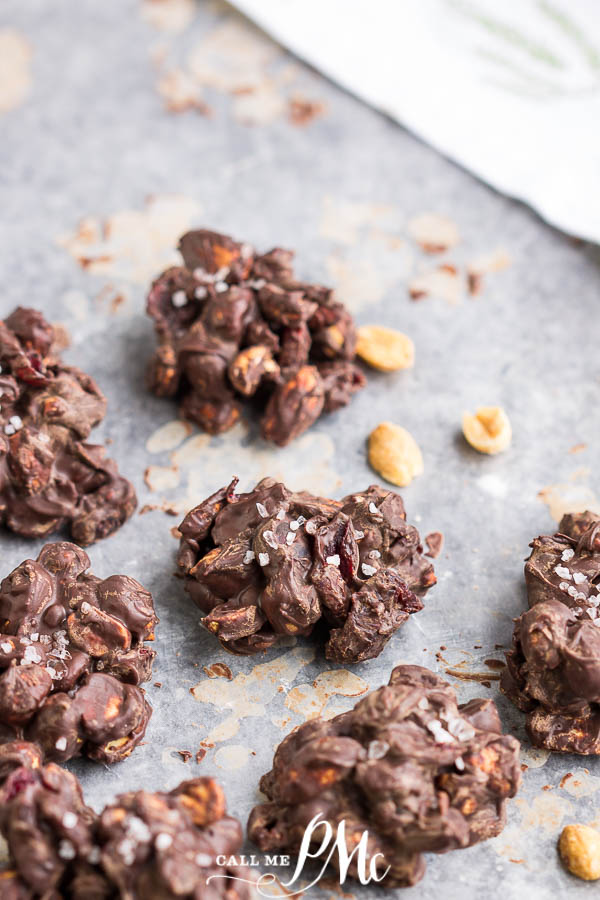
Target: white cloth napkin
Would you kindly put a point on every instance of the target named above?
(509, 90)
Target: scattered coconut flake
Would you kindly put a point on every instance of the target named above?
(263, 559)
(262, 510)
(333, 560)
(368, 570)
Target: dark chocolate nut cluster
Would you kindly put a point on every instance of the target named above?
(143, 846)
(233, 324)
(49, 476)
(49, 830)
(72, 655)
(273, 562)
(553, 671)
(164, 845)
(407, 765)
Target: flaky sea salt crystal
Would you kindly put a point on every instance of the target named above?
(163, 841)
(368, 570)
(179, 299)
(567, 554)
(137, 829)
(333, 560)
(372, 508)
(562, 572)
(61, 744)
(269, 539)
(69, 820)
(249, 557)
(440, 735)
(377, 749)
(262, 510)
(263, 559)
(460, 764)
(66, 850)
(579, 577)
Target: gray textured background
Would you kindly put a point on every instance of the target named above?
(93, 137)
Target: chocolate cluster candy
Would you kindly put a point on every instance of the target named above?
(72, 655)
(49, 475)
(272, 562)
(553, 668)
(143, 846)
(234, 324)
(407, 766)
(164, 845)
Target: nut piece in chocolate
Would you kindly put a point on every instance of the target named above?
(49, 475)
(72, 657)
(272, 562)
(143, 846)
(407, 766)
(232, 324)
(553, 668)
